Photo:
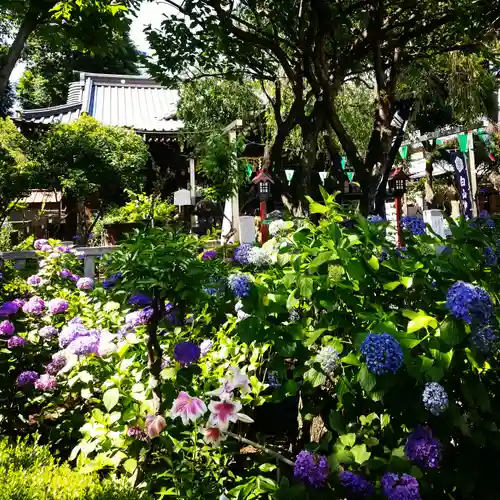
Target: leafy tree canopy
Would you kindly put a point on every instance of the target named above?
(17, 168)
(87, 159)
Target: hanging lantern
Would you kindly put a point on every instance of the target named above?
(263, 182)
(397, 183)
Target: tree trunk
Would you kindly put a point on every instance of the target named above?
(28, 25)
(429, 191)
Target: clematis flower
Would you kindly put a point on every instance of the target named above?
(154, 425)
(212, 435)
(188, 408)
(235, 379)
(226, 411)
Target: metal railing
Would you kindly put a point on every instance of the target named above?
(90, 254)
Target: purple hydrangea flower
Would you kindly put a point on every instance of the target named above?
(35, 306)
(415, 225)
(8, 309)
(484, 340)
(404, 487)
(422, 448)
(71, 332)
(435, 398)
(311, 470)
(57, 364)
(40, 243)
(65, 273)
(356, 485)
(209, 255)
(46, 248)
(375, 219)
(138, 318)
(74, 277)
(46, 382)
(111, 281)
(19, 303)
(58, 306)
(7, 328)
(166, 362)
(210, 291)
(34, 280)
(63, 249)
(490, 257)
(16, 341)
(206, 347)
(140, 300)
(171, 314)
(241, 254)
(48, 332)
(137, 433)
(28, 378)
(76, 320)
(85, 284)
(186, 353)
(468, 302)
(240, 285)
(84, 346)
(382, 353)
(483, 214)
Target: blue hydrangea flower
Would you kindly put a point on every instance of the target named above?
(138, 318)
(375, 219)
(140, 300)
(48, 332)
(240, 285)
(210, 291)
(241, 254)
(435, 398)
(186, 353)
(209, 255)
(382, 353)
(484, 340)
(358, 486)
(273, 381)
(84, 346)
(71, 332)
(328, 358)
(400, 252)
(490, 223)
(403, 487)
(468, 302)
(383, 256)
(311, 470)
(111, 281)
(415, 225)
(422, 448)
(171, 314)
(490, 257)
(28, 378)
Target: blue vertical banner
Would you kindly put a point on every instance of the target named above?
(459, 162)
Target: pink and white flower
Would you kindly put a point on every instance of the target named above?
(213, 435)
(235, 379)
(154, 425)
(225, 411)
(188, 408)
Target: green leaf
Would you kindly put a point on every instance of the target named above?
(267, 467)
(452, 332)
(422, 321)
(366, 379)
(130, 465)
(360, 454)
(321, 259)
(335, 421)
(348, 439)
(374, 263)
(110, 398)
(315, 336)
(355, 270)
(407, 281)
(306, 286)
(391, 285)
(351, 359)
(314, 377)
(292, 302)
(317, 208)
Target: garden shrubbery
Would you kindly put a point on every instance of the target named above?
(325, 364)
(30, 472)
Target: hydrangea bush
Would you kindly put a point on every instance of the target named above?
(333, 367)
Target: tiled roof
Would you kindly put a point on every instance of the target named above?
(40, 196)
(136, 102)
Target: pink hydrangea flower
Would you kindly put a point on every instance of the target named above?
(7, 328)
(154, 425)
(40, 243)
(46, 382)
(225, 411)
(58, 306)
(46, 248)
(188, 408)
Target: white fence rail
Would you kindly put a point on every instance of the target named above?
(89, 256)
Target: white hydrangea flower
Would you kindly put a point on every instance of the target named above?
(328, 358)
(259, 257)
(277, 226)
(241, 315)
